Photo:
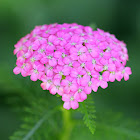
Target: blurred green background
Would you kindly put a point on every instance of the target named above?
(119, 17)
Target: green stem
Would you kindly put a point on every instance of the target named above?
(67, 125)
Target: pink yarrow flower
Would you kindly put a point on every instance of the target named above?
(71, 60)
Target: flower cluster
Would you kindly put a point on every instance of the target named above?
(71, 60)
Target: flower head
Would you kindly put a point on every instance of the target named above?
(71, 60)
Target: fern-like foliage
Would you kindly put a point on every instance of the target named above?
(40, 122)
(114, 126)
(87, 108)
(41, 118)
(110, 125)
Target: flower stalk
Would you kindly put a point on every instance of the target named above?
(67, 124)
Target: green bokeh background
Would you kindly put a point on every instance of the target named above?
(119, 17)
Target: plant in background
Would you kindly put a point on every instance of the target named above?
(72, 61)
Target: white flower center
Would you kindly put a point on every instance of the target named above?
(20, 48)
(82, 34)
(83, 65)
(23, 56)
(70, 83)
(70, 64)
(79, 76)
(89, 83)
(79, 53)
(105, 67)
(80, 90)
(60, 73)
(23, 66)
(73, 43)
(36, 71)
(108, 48)
(101, 54)
(49, 57)
(40, 38)
(47, 31)
(113, 58)
(71, 98)
(49, 81)
(123, 56)
(123, 71)
(32, 59)
(89, 73)
(50, 68)
(60, 38)
(34, 35)
(113, 72)
(58, 87)
(89, 50)
(93, 61)
(63, 55)
(100, 77)
(41, 50)
(25, 40)
(50, 43)
(86, 41)
(30, 47)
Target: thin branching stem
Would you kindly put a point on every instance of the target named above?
(38, 124)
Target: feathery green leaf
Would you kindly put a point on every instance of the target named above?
(88, 109)
(38, 122)
(115, 126)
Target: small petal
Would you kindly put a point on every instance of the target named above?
(43, 86)
(53, 62)
(53, 90)
(17, 70)
(87, 90)
(74, 104)
(112, 77)
(34, 76)
(67, 105)
(126, 76)
(66, 98)
(83, 96)
(73, 87)
(103, 84)
(83, 57)
(128, 70)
